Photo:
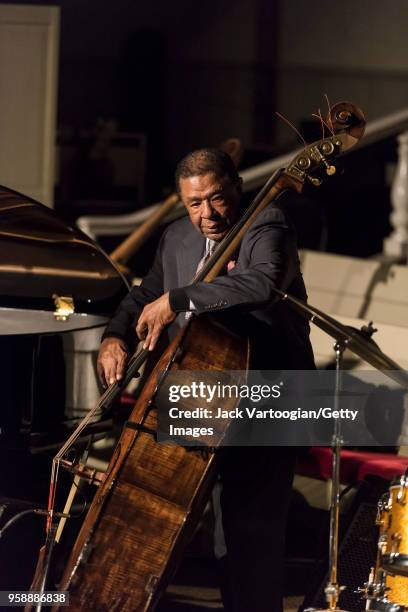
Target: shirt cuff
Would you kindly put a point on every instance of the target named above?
(179, 301)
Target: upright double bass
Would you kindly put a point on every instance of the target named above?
(152, 495)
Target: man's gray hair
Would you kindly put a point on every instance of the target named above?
(203, 161)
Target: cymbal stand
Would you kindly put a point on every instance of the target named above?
(333, 589)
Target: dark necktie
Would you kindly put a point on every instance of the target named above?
(209, 250)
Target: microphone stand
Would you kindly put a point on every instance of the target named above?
(333, 589)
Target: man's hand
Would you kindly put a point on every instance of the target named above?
(155, 316)
(111, 361)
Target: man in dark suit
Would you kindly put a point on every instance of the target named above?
(256, 481)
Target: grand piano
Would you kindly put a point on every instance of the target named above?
(55, 284)
(57, 289)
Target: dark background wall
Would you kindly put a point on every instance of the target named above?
(190, 74)
(350, 50)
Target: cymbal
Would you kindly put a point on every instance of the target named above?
(351, 338)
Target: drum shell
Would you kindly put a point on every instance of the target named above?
(394, 530)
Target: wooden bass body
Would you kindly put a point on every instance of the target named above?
(154, 493)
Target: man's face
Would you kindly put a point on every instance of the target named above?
(211, 202)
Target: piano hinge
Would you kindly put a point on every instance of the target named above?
(64, 306)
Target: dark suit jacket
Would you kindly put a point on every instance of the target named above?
(267, 258)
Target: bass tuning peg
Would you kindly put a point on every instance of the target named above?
(330, 169)
(316, 182)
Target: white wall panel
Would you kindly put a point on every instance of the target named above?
(28, 80)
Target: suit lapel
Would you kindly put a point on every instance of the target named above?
(188, 255)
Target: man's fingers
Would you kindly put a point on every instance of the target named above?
(141, 329)
(111, 365)
(120, 366)
(153, 319)
(147, 337)
(117, 368)
(157, 330)
(107, 369)
(153, 336)
(110, 371)
(101, 374)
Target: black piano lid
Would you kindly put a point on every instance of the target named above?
(42, 257)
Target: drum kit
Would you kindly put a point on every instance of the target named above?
(387, 587)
